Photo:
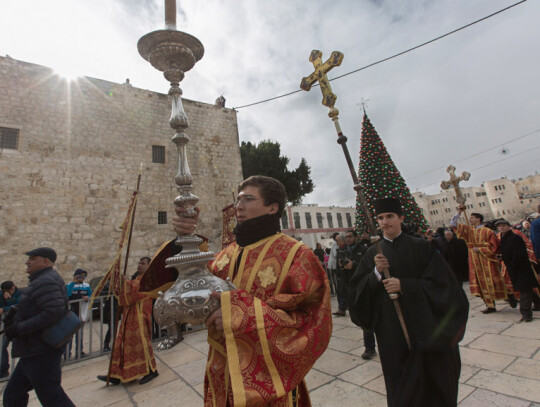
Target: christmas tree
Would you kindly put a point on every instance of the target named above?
(380, 178)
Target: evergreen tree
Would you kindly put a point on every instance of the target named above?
(265, 159)
(380, 178)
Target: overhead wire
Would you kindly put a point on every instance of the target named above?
(390, 57)
(476, 154)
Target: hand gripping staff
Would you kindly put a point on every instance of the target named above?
(329, 99)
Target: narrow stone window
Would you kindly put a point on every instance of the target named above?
(158, 154)
(9, 138)
(162, 218)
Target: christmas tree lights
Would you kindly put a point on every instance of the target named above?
(380, 178)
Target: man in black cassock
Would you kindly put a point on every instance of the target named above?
(515, 257)
(434, 308)
(457, 255)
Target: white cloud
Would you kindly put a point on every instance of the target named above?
(436, 105)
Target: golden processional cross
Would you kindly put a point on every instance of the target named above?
(453, 182)
(329, 100)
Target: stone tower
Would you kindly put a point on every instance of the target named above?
(70, 159)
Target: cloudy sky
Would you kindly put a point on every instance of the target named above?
(459, 100)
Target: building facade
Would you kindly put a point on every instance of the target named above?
(500, 198)
(315, 224)
(70, 154)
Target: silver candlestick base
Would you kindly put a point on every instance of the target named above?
(188, 300)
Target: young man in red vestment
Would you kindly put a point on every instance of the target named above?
(269, 331)
(133, 355)
(485, 279)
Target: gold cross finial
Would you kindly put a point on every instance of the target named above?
(319, 75)
(454, 181)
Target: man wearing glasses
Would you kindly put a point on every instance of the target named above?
(269, 331)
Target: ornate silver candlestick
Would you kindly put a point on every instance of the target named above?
(188, 300)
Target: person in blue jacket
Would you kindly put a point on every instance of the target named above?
(79, 290)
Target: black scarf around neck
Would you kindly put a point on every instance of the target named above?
(255, 229)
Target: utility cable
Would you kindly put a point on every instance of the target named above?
(476, 154)
(390, 57)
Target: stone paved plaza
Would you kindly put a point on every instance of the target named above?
(501, 367)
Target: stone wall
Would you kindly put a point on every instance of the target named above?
(69, 183)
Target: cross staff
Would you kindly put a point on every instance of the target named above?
(453, 182)
(329, 100)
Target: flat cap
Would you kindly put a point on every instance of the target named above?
(45, 252)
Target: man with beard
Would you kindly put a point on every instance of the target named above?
(434, 309)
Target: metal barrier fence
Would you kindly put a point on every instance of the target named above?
(91, 340)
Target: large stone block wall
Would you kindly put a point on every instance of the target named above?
(69, 183)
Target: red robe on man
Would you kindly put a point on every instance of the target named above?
(133, 355)
(485, 279)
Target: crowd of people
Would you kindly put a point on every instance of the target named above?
(404, 291)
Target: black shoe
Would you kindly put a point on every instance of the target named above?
(512, 301)
(525, 319)
(339, 313)
(489, 310)
(83, 354)
(149, 377)
(369, 354)
(112, 380)
(106, 349)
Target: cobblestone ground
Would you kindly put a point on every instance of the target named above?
(501, 367)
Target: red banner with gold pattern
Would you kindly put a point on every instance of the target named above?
(229, 223)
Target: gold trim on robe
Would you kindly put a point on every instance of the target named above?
(276, 324)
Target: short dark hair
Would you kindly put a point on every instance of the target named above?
(146, 258)
(478, 216)
(354, 232)
(334, 235)
(271, 190)
(7, 285)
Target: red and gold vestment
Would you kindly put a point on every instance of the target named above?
(276, 324)
(485, 277)
(132, 353)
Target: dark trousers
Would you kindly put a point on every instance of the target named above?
(4, 368)
(369, 340)
(343, 278)
(78, 337)
(525, 302)
(41, 373)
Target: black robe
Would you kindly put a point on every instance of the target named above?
(516, 259)
(457, 256)
(435, 310)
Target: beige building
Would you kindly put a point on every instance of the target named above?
(528, 190)
(500, 198)
(315, 224)
(70, 156)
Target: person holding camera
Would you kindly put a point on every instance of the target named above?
(348, 257)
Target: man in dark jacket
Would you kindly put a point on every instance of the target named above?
(515, 257)
(42, 304)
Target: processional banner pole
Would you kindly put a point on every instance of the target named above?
(329, 100)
